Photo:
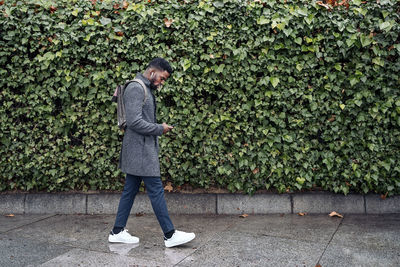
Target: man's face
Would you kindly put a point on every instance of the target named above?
(158, 78)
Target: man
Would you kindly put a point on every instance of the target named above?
(139, 155)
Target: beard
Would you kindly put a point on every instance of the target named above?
(152, 85)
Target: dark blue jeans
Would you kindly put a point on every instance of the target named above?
(155, 191)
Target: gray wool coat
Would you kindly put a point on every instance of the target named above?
(139, 153)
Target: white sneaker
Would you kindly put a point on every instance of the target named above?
(123, 237)
(179, 238)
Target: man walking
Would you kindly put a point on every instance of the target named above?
(139, 155)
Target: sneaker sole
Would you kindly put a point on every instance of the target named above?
(179, 243)
(122, 242)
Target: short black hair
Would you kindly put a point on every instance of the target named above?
(160, 64)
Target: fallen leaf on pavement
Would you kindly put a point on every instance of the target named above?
(302, 213)
(318, 265)
(244, 215)
(168, 187)
(334, 213)
(383, 197)
(10, 215)
(139, 214)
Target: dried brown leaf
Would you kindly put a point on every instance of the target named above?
(244, 215)
(334, 213)
(168, 22)
(52, 9)
(302, 213)
(168, 187)
(10, 215)
(323, 5)
(331, 119)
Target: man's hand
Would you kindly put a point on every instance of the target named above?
(167, 128)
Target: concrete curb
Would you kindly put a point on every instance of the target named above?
(268, 203)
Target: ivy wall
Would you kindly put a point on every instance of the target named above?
(282, 95)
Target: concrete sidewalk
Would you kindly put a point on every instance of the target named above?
(221, 240)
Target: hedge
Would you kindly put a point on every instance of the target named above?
(278, 95)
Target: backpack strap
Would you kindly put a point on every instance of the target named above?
(144, 88)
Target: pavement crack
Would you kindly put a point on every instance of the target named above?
(330, 240)
(21, 226)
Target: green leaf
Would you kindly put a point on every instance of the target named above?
(353, 81)
(300, 180)
(186, 64)
(262, 20)
(387, 25)
(288, 138)
(365, 40)
(378, 61)
(309, 19)
(298, 40)
(139, 38)
(75, 12)
(274, 81)
(105, 21)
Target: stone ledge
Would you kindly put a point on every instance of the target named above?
(256, 204)
(55, 203)
(375, 205)
(322, 202)
(12, 203)
(212, 203)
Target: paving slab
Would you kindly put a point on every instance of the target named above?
(12, 203)
(256, 204)
(18, 251)
(353, 256)
(69, 230)
(317, 203)
(11, 222)
(365, 240)
(80, 257)
(315, 228)
(372, 232)
(255, 250)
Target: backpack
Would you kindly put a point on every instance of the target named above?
(118, 98)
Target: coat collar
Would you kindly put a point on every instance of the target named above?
(144, 79)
